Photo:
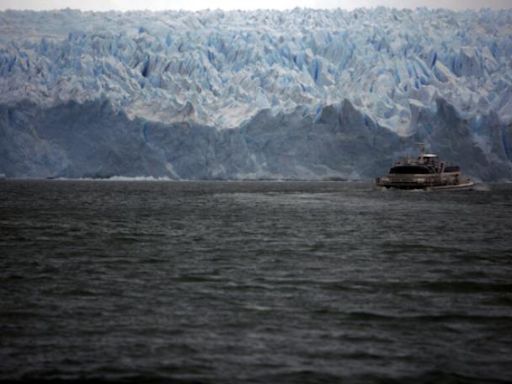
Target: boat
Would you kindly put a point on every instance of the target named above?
(426, 172)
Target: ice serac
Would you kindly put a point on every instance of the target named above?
(304, 94)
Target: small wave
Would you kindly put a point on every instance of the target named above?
(259, 308)
(482, 188)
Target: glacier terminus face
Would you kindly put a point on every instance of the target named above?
(298, 94)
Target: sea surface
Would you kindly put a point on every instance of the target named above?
(254, 282)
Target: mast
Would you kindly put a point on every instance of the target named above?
(422, 148)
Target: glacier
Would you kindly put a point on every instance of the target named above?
(296, 94)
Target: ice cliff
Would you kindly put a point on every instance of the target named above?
(305, 94)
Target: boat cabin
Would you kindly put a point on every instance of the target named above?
(426, 163)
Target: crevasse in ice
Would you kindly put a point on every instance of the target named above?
(220, 68)
(300, 93)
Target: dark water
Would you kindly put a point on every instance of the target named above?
(254, 282)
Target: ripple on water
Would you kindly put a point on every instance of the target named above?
(253, 282)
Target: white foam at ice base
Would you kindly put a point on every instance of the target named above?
(117, 178)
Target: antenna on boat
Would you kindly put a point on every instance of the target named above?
(422, 148)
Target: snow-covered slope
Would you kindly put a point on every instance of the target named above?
(435, 76)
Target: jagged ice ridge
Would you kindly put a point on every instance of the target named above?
(294, 92)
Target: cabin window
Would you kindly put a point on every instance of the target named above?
(409, 169)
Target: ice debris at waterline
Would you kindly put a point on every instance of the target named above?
(300, 94)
